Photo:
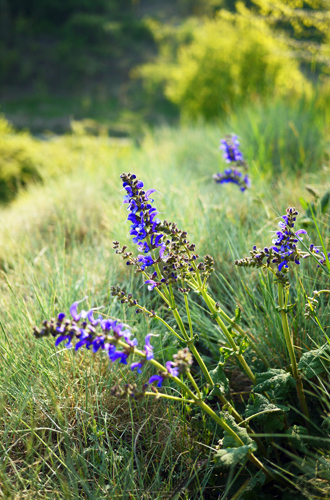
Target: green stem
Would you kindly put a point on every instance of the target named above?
(289, 344)
(180, 323)
(232, 433)
(240, 330)
(158, 318)
(229, 338)
(168, 396)
(192, 380)
(188, 316)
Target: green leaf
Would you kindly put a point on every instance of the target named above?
(237, 315)
(325, 201)
(326, 424)
(221, 384)
(315, 362)
(296, 437)
(253, 489)
(277, 383)
(228, 441)
(272, 415)
(228, 457)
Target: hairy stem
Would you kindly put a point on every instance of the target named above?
(290, 347)
(229, 338)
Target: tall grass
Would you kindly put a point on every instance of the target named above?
(62, 434)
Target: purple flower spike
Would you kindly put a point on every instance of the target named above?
(231, 153)
(156, 378)
(61, 317)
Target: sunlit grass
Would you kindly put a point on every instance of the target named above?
(62, 434)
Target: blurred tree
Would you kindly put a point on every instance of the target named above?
(303, 24)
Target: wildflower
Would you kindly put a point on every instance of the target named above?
(285, 248)
(151, 284)
(148, 349)
(145, 261)
(234, 176)
(156, 378)
(121, 355)
(231, 153)
(176, 253)
(172, 369)
(138, 366)
(142, 215)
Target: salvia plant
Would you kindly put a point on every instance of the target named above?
(280, 399)
(236, 172)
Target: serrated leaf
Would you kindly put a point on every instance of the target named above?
(237, 314)
(325, 201)
(228, 457)
(221, 384)
(296, 436)
(229, 441)
(315, 362)
(253, 489)
(272, 415)
(277, 383)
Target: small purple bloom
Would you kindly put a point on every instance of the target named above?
(151, 284)
(74, 312)
(61, 338)
(148, 347)
(61, 317)
(122, 356)
(172, 371)
(138, 366)
(145, 261)
(156, 378)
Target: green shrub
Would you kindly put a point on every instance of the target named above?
(25, 159)
(230, 61)
(17, 166)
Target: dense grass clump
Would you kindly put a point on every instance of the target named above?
(63, 434)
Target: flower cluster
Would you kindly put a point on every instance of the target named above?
(233, 155)
(92, 333)
(234, 176)
(175, 258)
(106, 335)
(284, 249)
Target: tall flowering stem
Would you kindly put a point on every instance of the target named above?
(106, 335)
(173, 258)
(277, 259)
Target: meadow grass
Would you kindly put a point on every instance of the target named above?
(62, 433)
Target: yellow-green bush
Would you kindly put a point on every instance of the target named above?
(25, 159)
(231, 60)
(17, 165)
